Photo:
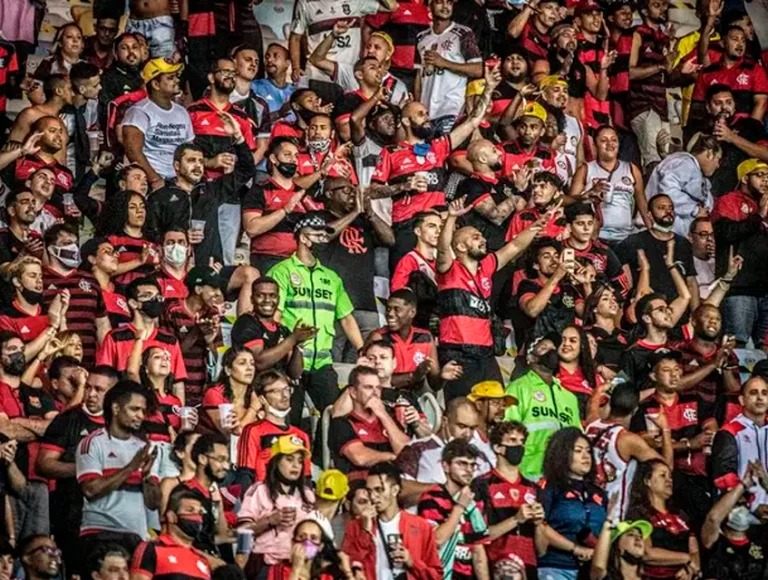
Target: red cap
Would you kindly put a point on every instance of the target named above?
(586, 6)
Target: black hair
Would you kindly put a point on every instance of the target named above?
(656, 196)
(82, 71)
(297, 94)
(389, 471)
(184, 147)
(59, 364)
(5, 548)
(359, 371)
(274, 481)
(277, 144)
(121, 394)
(590, 306)
(419, 218)
(153, 403)
(88, 249)
(6, 336)
(624, 400)
(497, 431)
(105, 371)
(548, 177)
(578, 209)
(205, 444)
(22, 549)
(379, 344)
(642, 307)
(406, 295)
(264, 280)
(132, 290)
(586, 361)
(51, 84)
(700, 145)
(559, 456)
(180, 494)
(640, 507)
(52, 233)
(268, 377)
(114, 215)
(532, 254)
(226, 363)
(102, 551)
(228, 572)
(697, 221)
(717, 89)
(179, 445)
(459, 448)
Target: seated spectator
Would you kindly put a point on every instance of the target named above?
(39, 556)
(620, 550)
(231, 404)
(99, 47)
(702, 238)
(367, 435)
(181, 456)
(98, 257)
(574, 506)
(109, 562)
(491, 402)
(673, 547)
(273, 507)
(274, 393)
(312, 554)
(69, 46)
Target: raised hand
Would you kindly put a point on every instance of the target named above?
(342, 27)
(457, 207)
(30, 146)
(735, 264)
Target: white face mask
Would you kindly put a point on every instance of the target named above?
(278, 413)
(68, 255)
(175, 254)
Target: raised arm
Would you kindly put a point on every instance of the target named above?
(520, 243)
(319, 57)
(445, 241)
(463, 131)
(680, 304)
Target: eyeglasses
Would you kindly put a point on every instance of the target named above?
(344, 188)
(226, 72)
(282, 391)
(219, 459)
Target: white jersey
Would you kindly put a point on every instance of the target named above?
(316, 18)
(565, 166)
(442, 91)
(574, 133)
(345, 78)
(613, 473)
(366, 156)
(619, 202)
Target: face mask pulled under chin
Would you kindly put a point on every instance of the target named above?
(278, 413)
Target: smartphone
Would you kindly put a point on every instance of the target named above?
(569, 259)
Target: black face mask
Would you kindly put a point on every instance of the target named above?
(550, 361)
(514, 454)
(31, 296)
(305, 114)
(287, 169)
(152, 308)
(192, 528)
(16, 364)
(425, 131)
(631, 559)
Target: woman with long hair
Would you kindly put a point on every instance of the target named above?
(574, 507)
(234, 388)
(577, 368)
(620, 551)
(181, 456)
(673, 547)
(602, 315)
(273, 507)
(68, 46)
(122, 222)
(313, 556)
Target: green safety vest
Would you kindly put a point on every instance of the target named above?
(316, 297)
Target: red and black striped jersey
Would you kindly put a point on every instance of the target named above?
(596, 112)
(116, 349)
(250, 331)
(171, 288)
(179, 320)
(650, 93)
(128, 249)
(398, 162)
(117, 308)
(746, 78)
(343, 431)
(254, 449)
(465, 309)
(501, 499)
(403, 26)
(27, 165)
(85, 305)
(201, 21)
(535, 44)
(157, 425)
(164, 559)
(27, 326)
(515, 157)
(412, 351)
(12, 247)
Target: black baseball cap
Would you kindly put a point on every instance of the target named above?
(204, 276)
(661, 354)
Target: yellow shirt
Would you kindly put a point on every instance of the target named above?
(689, 43)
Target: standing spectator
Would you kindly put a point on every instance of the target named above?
(542, 405)
(508, 500)
(447, 55)
(246, 59)
(464, 289)
(702, 238)
(50, 151)
(491, 403)
(99, 48)
(574, 506)
(146, 304)
(155, 126)
(684, 178)
(392, 541)
(296, 276)
(276, 87)
(600, 312)
(273, 506)
(173, 553)
(98, 257)
(153, 21)
(56, 460)
(109, 458)
(460, 529)
(86, 313)
(741, 442)
(673, 546)
(617, 450)
(532, 27)
(614, 186)
(421, 263)
(123, 76)
(368, 435)
(737, 218)
(17, 237)
(254, 450)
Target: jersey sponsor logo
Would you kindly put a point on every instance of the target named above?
(564, 416)
(319, 293)
(479, 304)
(626, 180)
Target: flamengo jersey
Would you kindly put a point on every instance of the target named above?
(398, 162)
(317, 17)
(619, 202)
(613, 473)
(122, 510)
(442, 92)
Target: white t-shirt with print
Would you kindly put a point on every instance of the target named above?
(392, 527)
(164, 130)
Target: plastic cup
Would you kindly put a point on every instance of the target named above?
(68, 198)
(224, 411)
(94, 142)
(198, 225)
(244, 541)
(186, 414)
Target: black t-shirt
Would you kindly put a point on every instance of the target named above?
(249, 331)
(742, 560)
(351, 255)
(477, 190)
(559, 312)
(655, 250)
(610, 346)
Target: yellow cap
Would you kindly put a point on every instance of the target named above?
(157, 67)
(748, 166)
(551, 81)
(332, 485)
(476, 87)
(386, 38)
(490, 390)
(288, 445)
(533, 109)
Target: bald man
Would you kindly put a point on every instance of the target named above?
(464, 290)
(423, 155)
